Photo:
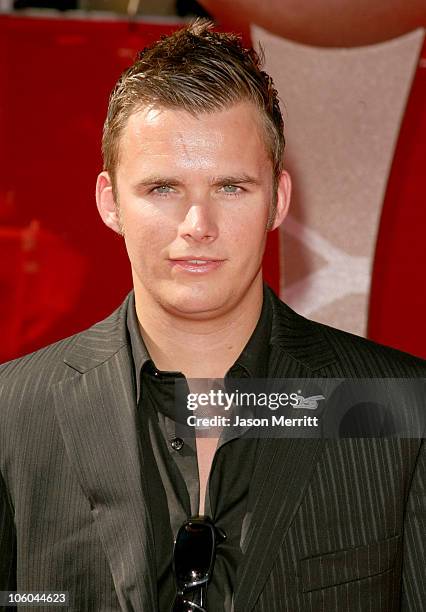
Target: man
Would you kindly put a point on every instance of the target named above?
(96, 483)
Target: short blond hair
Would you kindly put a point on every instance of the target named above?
(197, 70)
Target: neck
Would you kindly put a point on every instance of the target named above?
(198, 348)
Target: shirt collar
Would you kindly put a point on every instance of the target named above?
(139, 351)
(252, 362)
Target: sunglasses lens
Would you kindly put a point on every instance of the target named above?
(181, 605)
(193, 553)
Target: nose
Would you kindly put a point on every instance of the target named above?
(199, 225)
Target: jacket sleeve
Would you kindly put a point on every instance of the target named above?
(7, 542)
(414, 562)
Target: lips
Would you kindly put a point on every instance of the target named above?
(197, 261)
(196, 265)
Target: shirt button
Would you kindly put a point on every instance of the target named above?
(177, 443)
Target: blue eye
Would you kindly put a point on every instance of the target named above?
(231, 189)
(162, 189)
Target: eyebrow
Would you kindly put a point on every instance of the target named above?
(217, 180)
(235, 179)
(157, 180)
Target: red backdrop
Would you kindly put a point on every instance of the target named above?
(398, 290)
(62, 268)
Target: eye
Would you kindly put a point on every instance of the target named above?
(162, 189)
(231, 189)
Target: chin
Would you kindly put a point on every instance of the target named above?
(195, 302)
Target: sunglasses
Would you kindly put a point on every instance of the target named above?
(193, 560)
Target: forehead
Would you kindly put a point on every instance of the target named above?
(159, 133)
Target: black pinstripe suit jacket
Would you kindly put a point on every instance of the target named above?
(332, 525)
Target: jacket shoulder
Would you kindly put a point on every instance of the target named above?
(105, 336)
(333, 352)
(37, 361)
(365, 357)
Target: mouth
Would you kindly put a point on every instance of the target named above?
(196, 265)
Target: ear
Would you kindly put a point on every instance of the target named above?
(283, 200)
(106, 204)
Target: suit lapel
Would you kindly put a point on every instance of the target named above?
(96, 411)
(284, 466)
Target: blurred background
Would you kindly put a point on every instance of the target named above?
(117, 7)
(351, 75)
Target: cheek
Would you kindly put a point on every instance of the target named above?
(247, 232)
(145, 227)
(147, 242)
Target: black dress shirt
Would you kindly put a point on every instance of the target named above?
(171, 463)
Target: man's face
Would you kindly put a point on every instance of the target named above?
(194, 194)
